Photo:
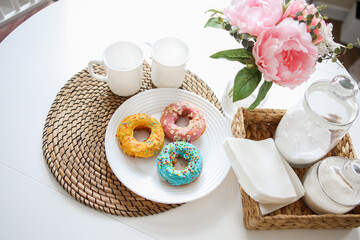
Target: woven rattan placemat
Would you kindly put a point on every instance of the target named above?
(73, 143)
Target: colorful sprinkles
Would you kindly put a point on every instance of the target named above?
(190, 133)
(131, 146)
(167, 158)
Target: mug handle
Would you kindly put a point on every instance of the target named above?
(146, 48)
(93, 74)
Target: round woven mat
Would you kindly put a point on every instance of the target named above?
(73, 143)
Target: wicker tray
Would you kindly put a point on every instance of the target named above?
(260, 124)
(74, 149)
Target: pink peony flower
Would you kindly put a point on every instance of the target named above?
(306, 9)
(285, 54)
(294, 7)
(254, 16)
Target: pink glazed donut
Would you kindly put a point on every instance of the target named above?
(192, 131)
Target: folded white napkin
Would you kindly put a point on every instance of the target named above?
(299, 189)
(262, 172)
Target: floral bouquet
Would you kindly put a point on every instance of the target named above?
(282, 41)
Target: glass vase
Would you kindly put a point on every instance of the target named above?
(230, 107)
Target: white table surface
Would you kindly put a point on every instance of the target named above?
(38, 58)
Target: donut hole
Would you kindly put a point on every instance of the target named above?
(141, 134)
(180, 163)
(182, 121)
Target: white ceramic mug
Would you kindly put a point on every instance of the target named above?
(169, 58)
(123, 62)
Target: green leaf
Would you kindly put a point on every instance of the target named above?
(245, 43)
(310, 17)
(265, 87)
(245, 36)
(313, 35)
(240, 54)
(214, 11)
(214, 23)
(245, 83)
(227, 26)
(318, 25)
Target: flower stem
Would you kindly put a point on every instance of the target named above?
(231, 91)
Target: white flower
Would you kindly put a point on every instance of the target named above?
(328, 45)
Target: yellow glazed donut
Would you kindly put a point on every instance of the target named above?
(132, 147)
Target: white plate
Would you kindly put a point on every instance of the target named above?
(140, 174)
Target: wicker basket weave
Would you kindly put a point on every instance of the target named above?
(260, 124)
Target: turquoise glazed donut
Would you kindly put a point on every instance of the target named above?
(168, 157)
